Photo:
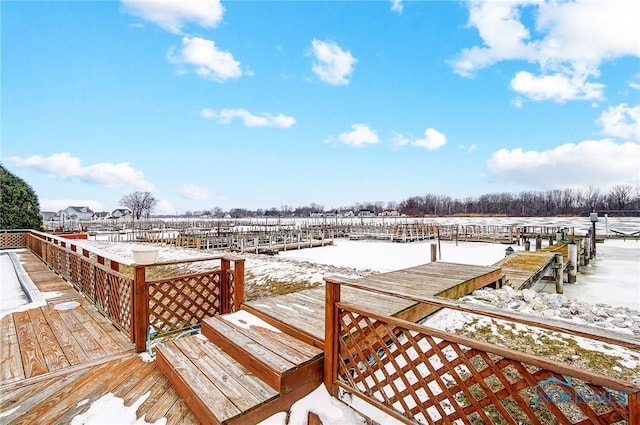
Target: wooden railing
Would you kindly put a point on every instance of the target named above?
(419, 374)
(130, 301)
(12, 239)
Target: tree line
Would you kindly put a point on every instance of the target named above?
(620, 199)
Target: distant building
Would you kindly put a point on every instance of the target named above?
(346, 213)
(76, 213)
(121, 214)
(100, 216)
(363, 212)
(389, 212)
(48, 216)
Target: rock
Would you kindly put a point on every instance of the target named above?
(484, 296)
(600, 312)
(537, 305)
(564, 313)
(514, 305)
(548, 313)
(620, 324)
(557, 300)
(579, 308)
(529, 295)
(605, 325)
(588, 318)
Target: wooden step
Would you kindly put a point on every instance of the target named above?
(216, 388)
(280, 360)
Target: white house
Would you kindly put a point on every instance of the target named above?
(121, 214)
(76, 214)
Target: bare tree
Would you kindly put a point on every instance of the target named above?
(620, 196)
(140, 203)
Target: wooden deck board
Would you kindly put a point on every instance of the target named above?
(58, 400)
(305, 309)
(33, 360)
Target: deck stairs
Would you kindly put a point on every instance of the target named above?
(237, 373)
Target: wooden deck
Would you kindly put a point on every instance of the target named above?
(302, 313)
(523, 269)
(52, 360)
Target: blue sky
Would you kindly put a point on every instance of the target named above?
(258, 104)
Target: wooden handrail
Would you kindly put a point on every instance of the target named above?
(58, 254)
(540, 322)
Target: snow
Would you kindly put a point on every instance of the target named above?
(330, 411)
(12, 297)
(387, 256)
(245, 320)
(110, 409)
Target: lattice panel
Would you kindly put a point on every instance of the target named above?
(430, 380)
(231, 284)
(184, 301)
(13, 240)
(74, 271)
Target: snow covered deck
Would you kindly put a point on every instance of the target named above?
(303, 312)
(54, 362)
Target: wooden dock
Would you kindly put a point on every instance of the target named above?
(302, 313)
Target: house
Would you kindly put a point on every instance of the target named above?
(363, 212)
(121, 214)
(346, 213)
(100, 216)
(48, 216)
(389, 212)
(76, 214)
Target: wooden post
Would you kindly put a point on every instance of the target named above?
(538, 242)
(238, 287)
(140, 309)
(434, 251)
(225, 265)
(587, 248)
(633, 401)
(573, 260)
(527, 245)
(331, 337)
(439, 248)
(559, 274)
(593, 240)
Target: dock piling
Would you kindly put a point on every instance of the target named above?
(559, 274)
(573, 261)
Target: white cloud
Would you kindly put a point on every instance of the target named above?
(398, 140)
(557, 87)
(360, 135)
(60, 204)
(634, 82)
(164, 207)
(621, 121)
(65, 166)
(225, 116)
(433, 140)
(209, 62)
(194, 192)
(397, 6)
(172, 15)
(568, 41)
(598, 163)
(332, 64)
